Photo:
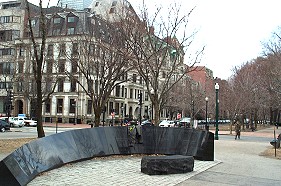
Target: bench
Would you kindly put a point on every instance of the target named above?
(175, 164)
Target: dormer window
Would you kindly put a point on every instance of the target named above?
(112, 10)
(33, 23)
(71, 19)
(57, 20)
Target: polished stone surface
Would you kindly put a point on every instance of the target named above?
(53, 151)
(174, 164)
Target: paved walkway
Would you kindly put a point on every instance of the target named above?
(237, 163)
(113, 172)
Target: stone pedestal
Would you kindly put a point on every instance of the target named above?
(156, 165)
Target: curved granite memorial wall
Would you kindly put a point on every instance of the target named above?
(53, 151)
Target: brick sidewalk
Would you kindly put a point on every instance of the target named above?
(124, 171)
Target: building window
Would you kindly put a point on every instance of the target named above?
(136, 93)
(61, 65)
(50, 50)
(21, 51)
(72, 106)
(90, 85)
(131, 93)
(6, 51)
(74, 66)
(75, 49)
(6, 68)
(6, 19)
(73, 85)
(62, 50)
(97, 4)
(59, 105)
(49, 66)
(48, 106)
(90, 107)
(19, 86)
(125, 96)
(57, 20)
(96, 86)
(116, 108)
(56, 32)
(117, 91)
(70, 31)
(111, 107)
(146, 96)
(48, 84)
(20, 67)
(122, 93)
(71, 19)
(134, 78)
(60, 85)
(33, 23)
(141, 80)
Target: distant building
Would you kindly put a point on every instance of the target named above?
(204, 77)
(112, 10)
(75, 4)
(68, 103)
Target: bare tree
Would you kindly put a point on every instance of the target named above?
(157, 54)
(38, 37)
(102, 61)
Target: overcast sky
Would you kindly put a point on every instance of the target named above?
(231, 30)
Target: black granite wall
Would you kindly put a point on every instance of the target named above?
(53, 151)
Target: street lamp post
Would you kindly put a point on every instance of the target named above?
(76, 109)
(206, 124)
(103, 115)
(192, 115)
(217, 111)
(122, 115)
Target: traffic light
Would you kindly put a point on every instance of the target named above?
(10, 97)
(140, 98)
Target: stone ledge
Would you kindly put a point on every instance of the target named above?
(157, 165)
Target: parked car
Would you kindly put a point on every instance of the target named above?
(167, 123)
(30, 122)
(146, 123)
(185, 122)
(11, 119)
(17, 122)
(4, 126)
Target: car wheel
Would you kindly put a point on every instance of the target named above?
(2, 129)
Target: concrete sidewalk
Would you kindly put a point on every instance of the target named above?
(242, 163)
(66, 125)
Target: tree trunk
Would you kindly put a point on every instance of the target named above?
(156, 113)
(40, 130)
(97, 118)
(230, 127)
